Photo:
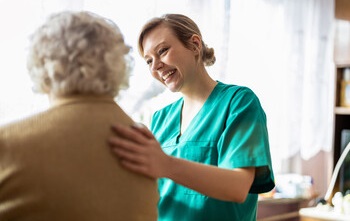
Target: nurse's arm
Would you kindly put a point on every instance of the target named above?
(224, 184)
(140, 152)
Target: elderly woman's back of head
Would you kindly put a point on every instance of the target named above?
(78, 53)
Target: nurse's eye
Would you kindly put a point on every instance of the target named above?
(149, 61)
(162, 51)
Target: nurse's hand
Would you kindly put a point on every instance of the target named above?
(138, 150)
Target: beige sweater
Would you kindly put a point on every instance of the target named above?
(57, 166)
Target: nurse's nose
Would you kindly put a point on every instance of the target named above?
(156, 65)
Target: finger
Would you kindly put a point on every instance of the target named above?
(125, 155)
(137, 168)
(143, 129)
(126, 145)
(129, 133)
(115, 142)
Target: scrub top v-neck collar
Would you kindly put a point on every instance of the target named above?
(206, 106)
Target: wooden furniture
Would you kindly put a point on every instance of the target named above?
(286, 209)
(342, 9)
(342, 61)
(315, 214)
(341, 114)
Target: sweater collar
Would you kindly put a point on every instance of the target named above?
(71, 99)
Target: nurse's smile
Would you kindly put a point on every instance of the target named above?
(166, 78)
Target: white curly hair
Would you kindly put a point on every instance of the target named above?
(79, 53)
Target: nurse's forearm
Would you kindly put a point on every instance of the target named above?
(224, 184)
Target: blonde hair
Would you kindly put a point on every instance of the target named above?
(79, 53)
(183, 27)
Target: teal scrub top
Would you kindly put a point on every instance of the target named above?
(229, 132)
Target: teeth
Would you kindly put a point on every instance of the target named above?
(168, 74)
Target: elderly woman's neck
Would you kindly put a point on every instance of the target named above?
(54, 99)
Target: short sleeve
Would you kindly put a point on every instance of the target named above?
(244, 141)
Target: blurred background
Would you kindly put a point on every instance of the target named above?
(281, 49)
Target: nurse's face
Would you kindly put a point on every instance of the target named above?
(170, 62)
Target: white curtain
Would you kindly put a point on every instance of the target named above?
(282, 49)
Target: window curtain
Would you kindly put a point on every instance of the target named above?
(281, 49)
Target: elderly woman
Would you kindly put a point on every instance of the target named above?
(56, 165)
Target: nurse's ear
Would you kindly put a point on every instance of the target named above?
(196, 42)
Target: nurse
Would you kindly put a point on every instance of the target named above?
(209, 149)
